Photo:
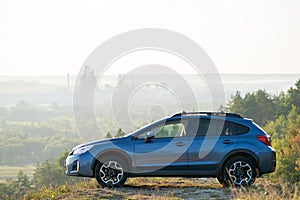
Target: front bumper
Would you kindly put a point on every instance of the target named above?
(79, 165)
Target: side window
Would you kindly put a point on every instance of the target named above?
(232, 128)
(210, 127)
(203, 128)
(228, 129)
(170, 129)
(198, 127)
(241, 129)
(214, 127)
(220, 127)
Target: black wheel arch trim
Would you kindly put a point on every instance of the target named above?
(238, 152)
(112, 152)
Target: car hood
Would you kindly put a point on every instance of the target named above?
(97, 142)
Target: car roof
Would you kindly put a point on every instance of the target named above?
(210, 114)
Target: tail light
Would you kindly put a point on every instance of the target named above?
(264, 139)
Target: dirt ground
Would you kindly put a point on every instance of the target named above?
(156, 188)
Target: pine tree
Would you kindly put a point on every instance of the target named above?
(108, 135)
(120, 133)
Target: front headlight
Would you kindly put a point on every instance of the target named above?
(82, 150)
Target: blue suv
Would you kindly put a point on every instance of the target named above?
(226, 146)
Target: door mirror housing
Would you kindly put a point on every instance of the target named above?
(149, 136)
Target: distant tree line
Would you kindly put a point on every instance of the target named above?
(263, 107)
(30, 134)
(24, 143)
(24, 111)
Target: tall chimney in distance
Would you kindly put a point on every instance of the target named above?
(68, 82)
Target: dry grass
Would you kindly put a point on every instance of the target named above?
(152, 188)
(264, 189)
(168, 188)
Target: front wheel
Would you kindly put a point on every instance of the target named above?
(111, 172)
(239, 171)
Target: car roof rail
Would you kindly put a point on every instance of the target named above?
(223, 114)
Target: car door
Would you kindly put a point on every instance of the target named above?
(167, 150)
(212, 141)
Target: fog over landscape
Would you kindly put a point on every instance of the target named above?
(45, 90)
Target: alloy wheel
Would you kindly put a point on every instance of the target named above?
(111, 172)
(240, 173)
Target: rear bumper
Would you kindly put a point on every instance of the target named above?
(267, 163)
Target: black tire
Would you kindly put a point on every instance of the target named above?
(111, 172)
(239, 171)
(221, 180)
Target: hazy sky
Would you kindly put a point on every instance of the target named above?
(55, 37)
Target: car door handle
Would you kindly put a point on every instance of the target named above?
(180, 144)
(227, 142)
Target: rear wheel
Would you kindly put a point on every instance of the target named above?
(221, 180)
(239, 171)
(111, 172)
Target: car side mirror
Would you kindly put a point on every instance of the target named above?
(149, 136)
